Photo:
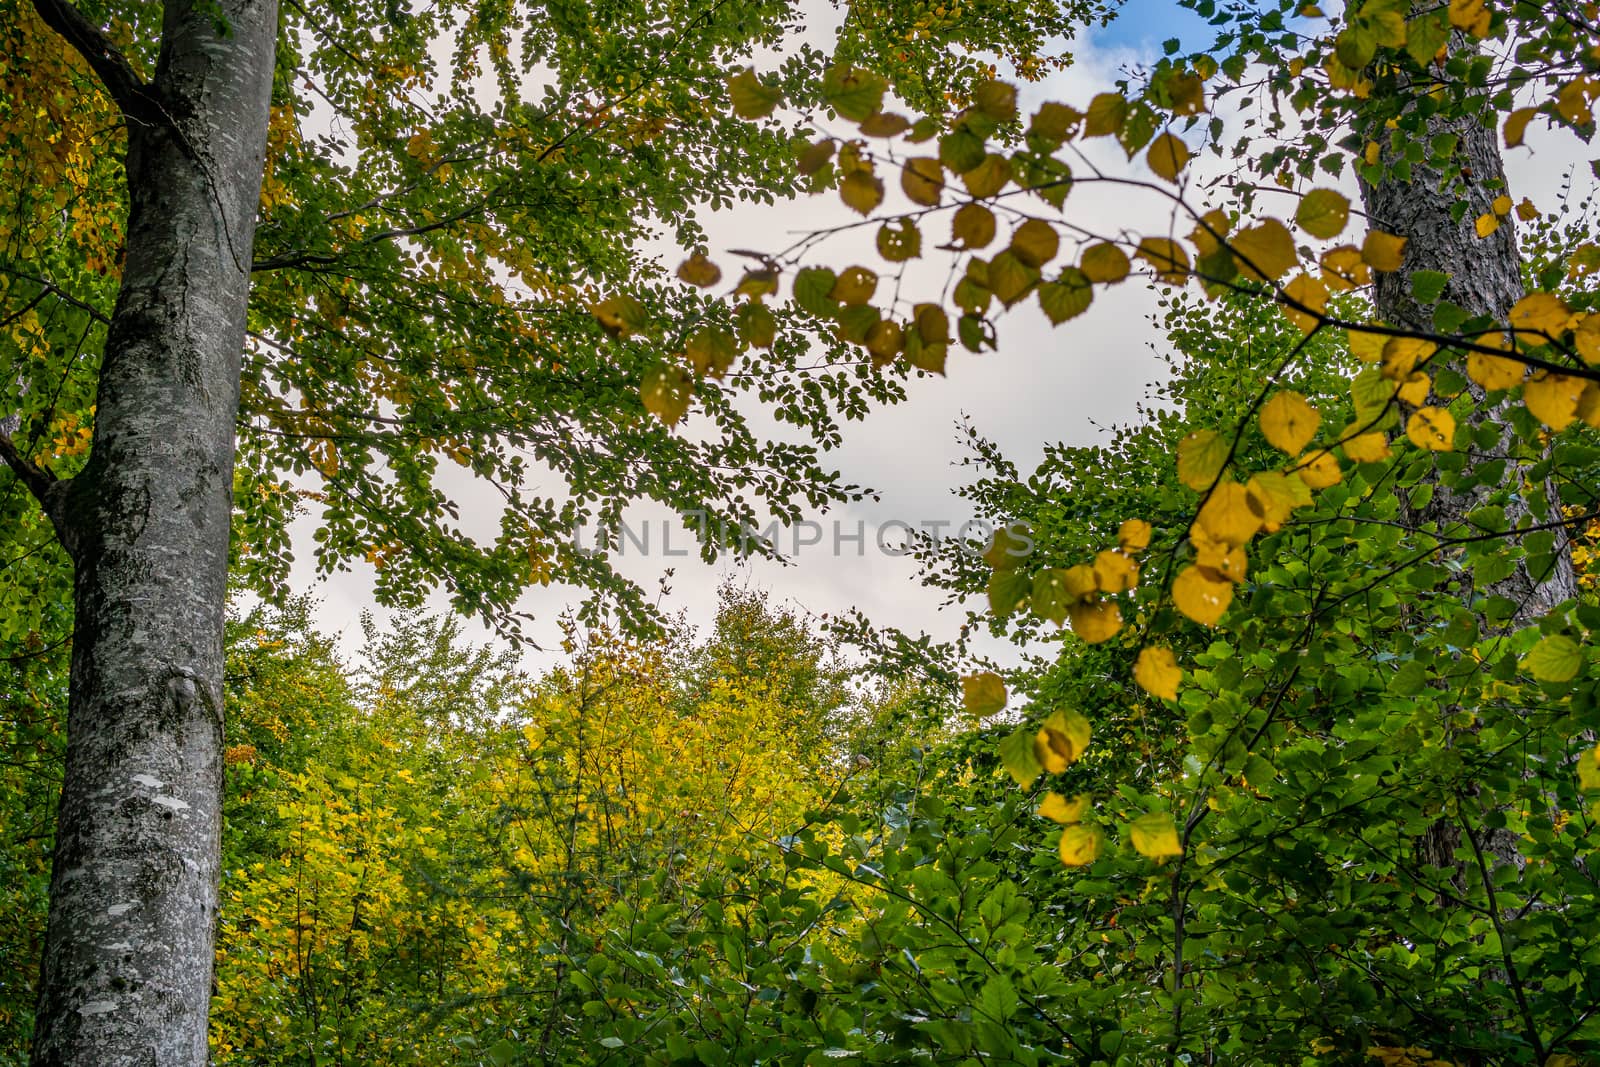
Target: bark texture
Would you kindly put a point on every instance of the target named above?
(1485, 278)
(133, 899)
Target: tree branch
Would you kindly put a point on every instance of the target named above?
(45, 487)
(113, 69)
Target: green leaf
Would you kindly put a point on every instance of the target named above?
(1067, 297)
(504, 1052)
(752, 99)
(1018, 758)
(1427, 286)
(854, 93)
(1557, 658)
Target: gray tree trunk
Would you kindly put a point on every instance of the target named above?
(133, 896)
(1485, 278)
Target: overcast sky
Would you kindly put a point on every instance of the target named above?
(1042, 386)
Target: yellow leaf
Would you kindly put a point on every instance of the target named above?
(1553, 399)
(1275, 495)
(1589, 770)
(1311, 296)
(922, 180)
(1156, 671)
(1289, 422)
(1095, 622)
(667, 391)
(1061, 741)
(1168, 156)
(861, 191)
(1133, 536)
(698, 270)
(1104, 263)
(1494, 372)
(1200, 596)
(1201, 457)
(1366, 447)
(1320, 470)
(973, 225)
(1414, 390)
(1167, 257)
(1107, 112)
(983, 694)
(1401, 355)
(1156, 836)
(1586, 338)
(1079, 845)
(1265, 251)
(1344, 269)
(1432, 428)
(1035, 242)
(1367, 347)
(1470, 16)
(1219, 558)
(1057, 808)
(1486, 224)
(1383, 251)
(1589, 405)
(1229, 515)
(1114, 572)
(1323, 213)
(1526, 211)
(1209, 233)
(1517, 125)
(1502, 205)
(1541, 312)
(1078, 583)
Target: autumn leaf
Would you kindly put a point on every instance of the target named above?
(1289, 422)
(1156, 670)
(752, 99)
(1061, 741)
(1265, 251)
(973, 225)
(1553, 398)
(1133, 536)
(1080, 845)
(1155, 836)
(700, 271)
(1383, 251)
(1167, 157)
(1323, 213)
(922, 180)
(1201, 457)
(1200, 596)
(1432, 428)
(667, 391)
(1105, 263)
(1057, 808)
(983, 694)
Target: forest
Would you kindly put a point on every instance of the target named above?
(1249, 714)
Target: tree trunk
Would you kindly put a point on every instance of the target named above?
(133, 896)
(1485, 278)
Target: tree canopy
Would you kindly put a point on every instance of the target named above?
(1308, 778)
